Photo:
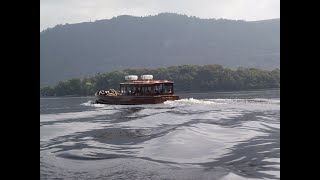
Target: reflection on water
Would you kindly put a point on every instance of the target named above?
(202, 136)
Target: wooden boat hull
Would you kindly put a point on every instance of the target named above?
(134, 100)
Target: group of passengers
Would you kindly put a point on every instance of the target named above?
(139, 92)
(108, 93)
(135, 92)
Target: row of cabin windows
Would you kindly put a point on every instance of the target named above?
(147, 90)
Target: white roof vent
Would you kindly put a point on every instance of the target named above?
(147, 77)
(131, 78)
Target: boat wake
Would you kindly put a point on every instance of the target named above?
(257, 102)
(203, 138)
(191, 101)
(93, 104)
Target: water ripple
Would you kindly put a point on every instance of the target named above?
(193, 138)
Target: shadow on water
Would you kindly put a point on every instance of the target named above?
(122, 116)
(252, 157)
(108, 135)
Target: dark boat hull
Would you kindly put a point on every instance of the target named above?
(134, 100)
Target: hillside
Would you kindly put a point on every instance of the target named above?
(79, 50)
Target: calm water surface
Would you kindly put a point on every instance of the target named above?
(220, 135)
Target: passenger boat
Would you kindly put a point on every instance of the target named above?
(135, 91)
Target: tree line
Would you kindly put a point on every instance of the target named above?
(186, 78)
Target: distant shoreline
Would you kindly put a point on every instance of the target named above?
(226, 91)
(186, 78)
(179, 92)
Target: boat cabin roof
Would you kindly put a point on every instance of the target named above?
(147, 82)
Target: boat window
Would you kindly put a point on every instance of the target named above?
(157, 89)
(123, 90)
(162, 88)
(135, 91)
(143, 90)
(168, 89)
(148, 90)
(130, 90)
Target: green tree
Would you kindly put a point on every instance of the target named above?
(186, 78)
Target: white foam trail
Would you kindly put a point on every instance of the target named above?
(247, 101)
(271, 101)
(89, 103)
(92, 104)
(190, 101)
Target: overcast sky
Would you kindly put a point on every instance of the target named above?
(53, 12)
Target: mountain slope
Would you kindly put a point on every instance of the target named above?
(78, 50)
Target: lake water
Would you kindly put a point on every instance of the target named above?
(216, 135)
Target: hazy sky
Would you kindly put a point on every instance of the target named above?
(53, 12)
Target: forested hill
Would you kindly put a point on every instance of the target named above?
(79, 50)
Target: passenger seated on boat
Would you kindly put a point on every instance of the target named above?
(101, 92)
(136, 92)
(157, 92)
